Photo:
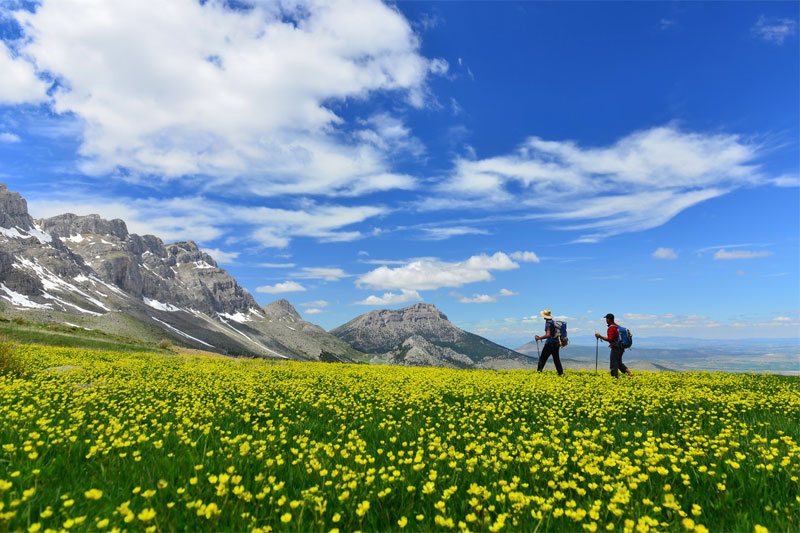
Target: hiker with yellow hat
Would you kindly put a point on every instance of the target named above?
(551, 345)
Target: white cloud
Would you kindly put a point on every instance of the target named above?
(287, 286)
(201, 219)
(242, 97)
(478, 299)
(528, 257)
(315, 303)
(220, 256)
(665, 253)
(639, 182)
(724, 254)
(7, 137)
(774, 29)
(427, 274)
(440, 234)
(390, 298)
(506, 292)
(782, 319)
(19, 83)
(328, 274)
(787, 180)
(313, 311)
(389, 134)
(277, 265)
(637, 316)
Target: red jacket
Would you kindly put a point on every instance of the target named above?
(613, 334)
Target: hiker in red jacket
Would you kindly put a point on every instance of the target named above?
(616, 350)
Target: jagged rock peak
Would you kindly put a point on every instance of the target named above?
(14, 210)
(420, 311)
(281, 310)
(188, 252)
(66, 225)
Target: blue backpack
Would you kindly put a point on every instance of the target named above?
(624, 337)
(561, 333)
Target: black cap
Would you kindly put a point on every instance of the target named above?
(610, 315)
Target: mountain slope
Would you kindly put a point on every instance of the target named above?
(91, 268)
(385, 331)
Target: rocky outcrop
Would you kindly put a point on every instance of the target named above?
(282, 311)
(14, 210)
(387, 330)
(146, 268)
(416, 351)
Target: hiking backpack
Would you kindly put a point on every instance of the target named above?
(561, 333)
(624, 338)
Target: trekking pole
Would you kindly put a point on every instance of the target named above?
(537, 348)
(596, 353)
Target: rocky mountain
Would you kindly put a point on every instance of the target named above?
(416, 351)
(423, 333)
(89, 270)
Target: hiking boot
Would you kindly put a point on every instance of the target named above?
(629, 372)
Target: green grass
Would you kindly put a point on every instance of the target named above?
(52, 334)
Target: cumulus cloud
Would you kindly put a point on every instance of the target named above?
(287, 286)
(427, 274)
(390, 298)
(19, 82)
(313, 311)
(220, 256)
(639, 182)
(723, 254)
(242, 97)
(528, 257)
(665, 253)
(506, 292)
(774, 29)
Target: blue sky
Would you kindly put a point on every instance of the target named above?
(493, 158)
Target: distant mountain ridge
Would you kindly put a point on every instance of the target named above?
(93, 269)
(385, 331)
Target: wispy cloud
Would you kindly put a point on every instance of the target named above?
(665, 253)
(724, 254)
(439, 234)
(327, 274)
(287, 286)
(315, 303)
(277, 265)
(390, 298)
(653, 175)
(478, 299)
(774, 29)
(202, 219)
(6, 137)
(430, 274)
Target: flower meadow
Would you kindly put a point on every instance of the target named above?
(110, 441)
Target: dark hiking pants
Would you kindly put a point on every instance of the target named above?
(616, 361)
(550, 348)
